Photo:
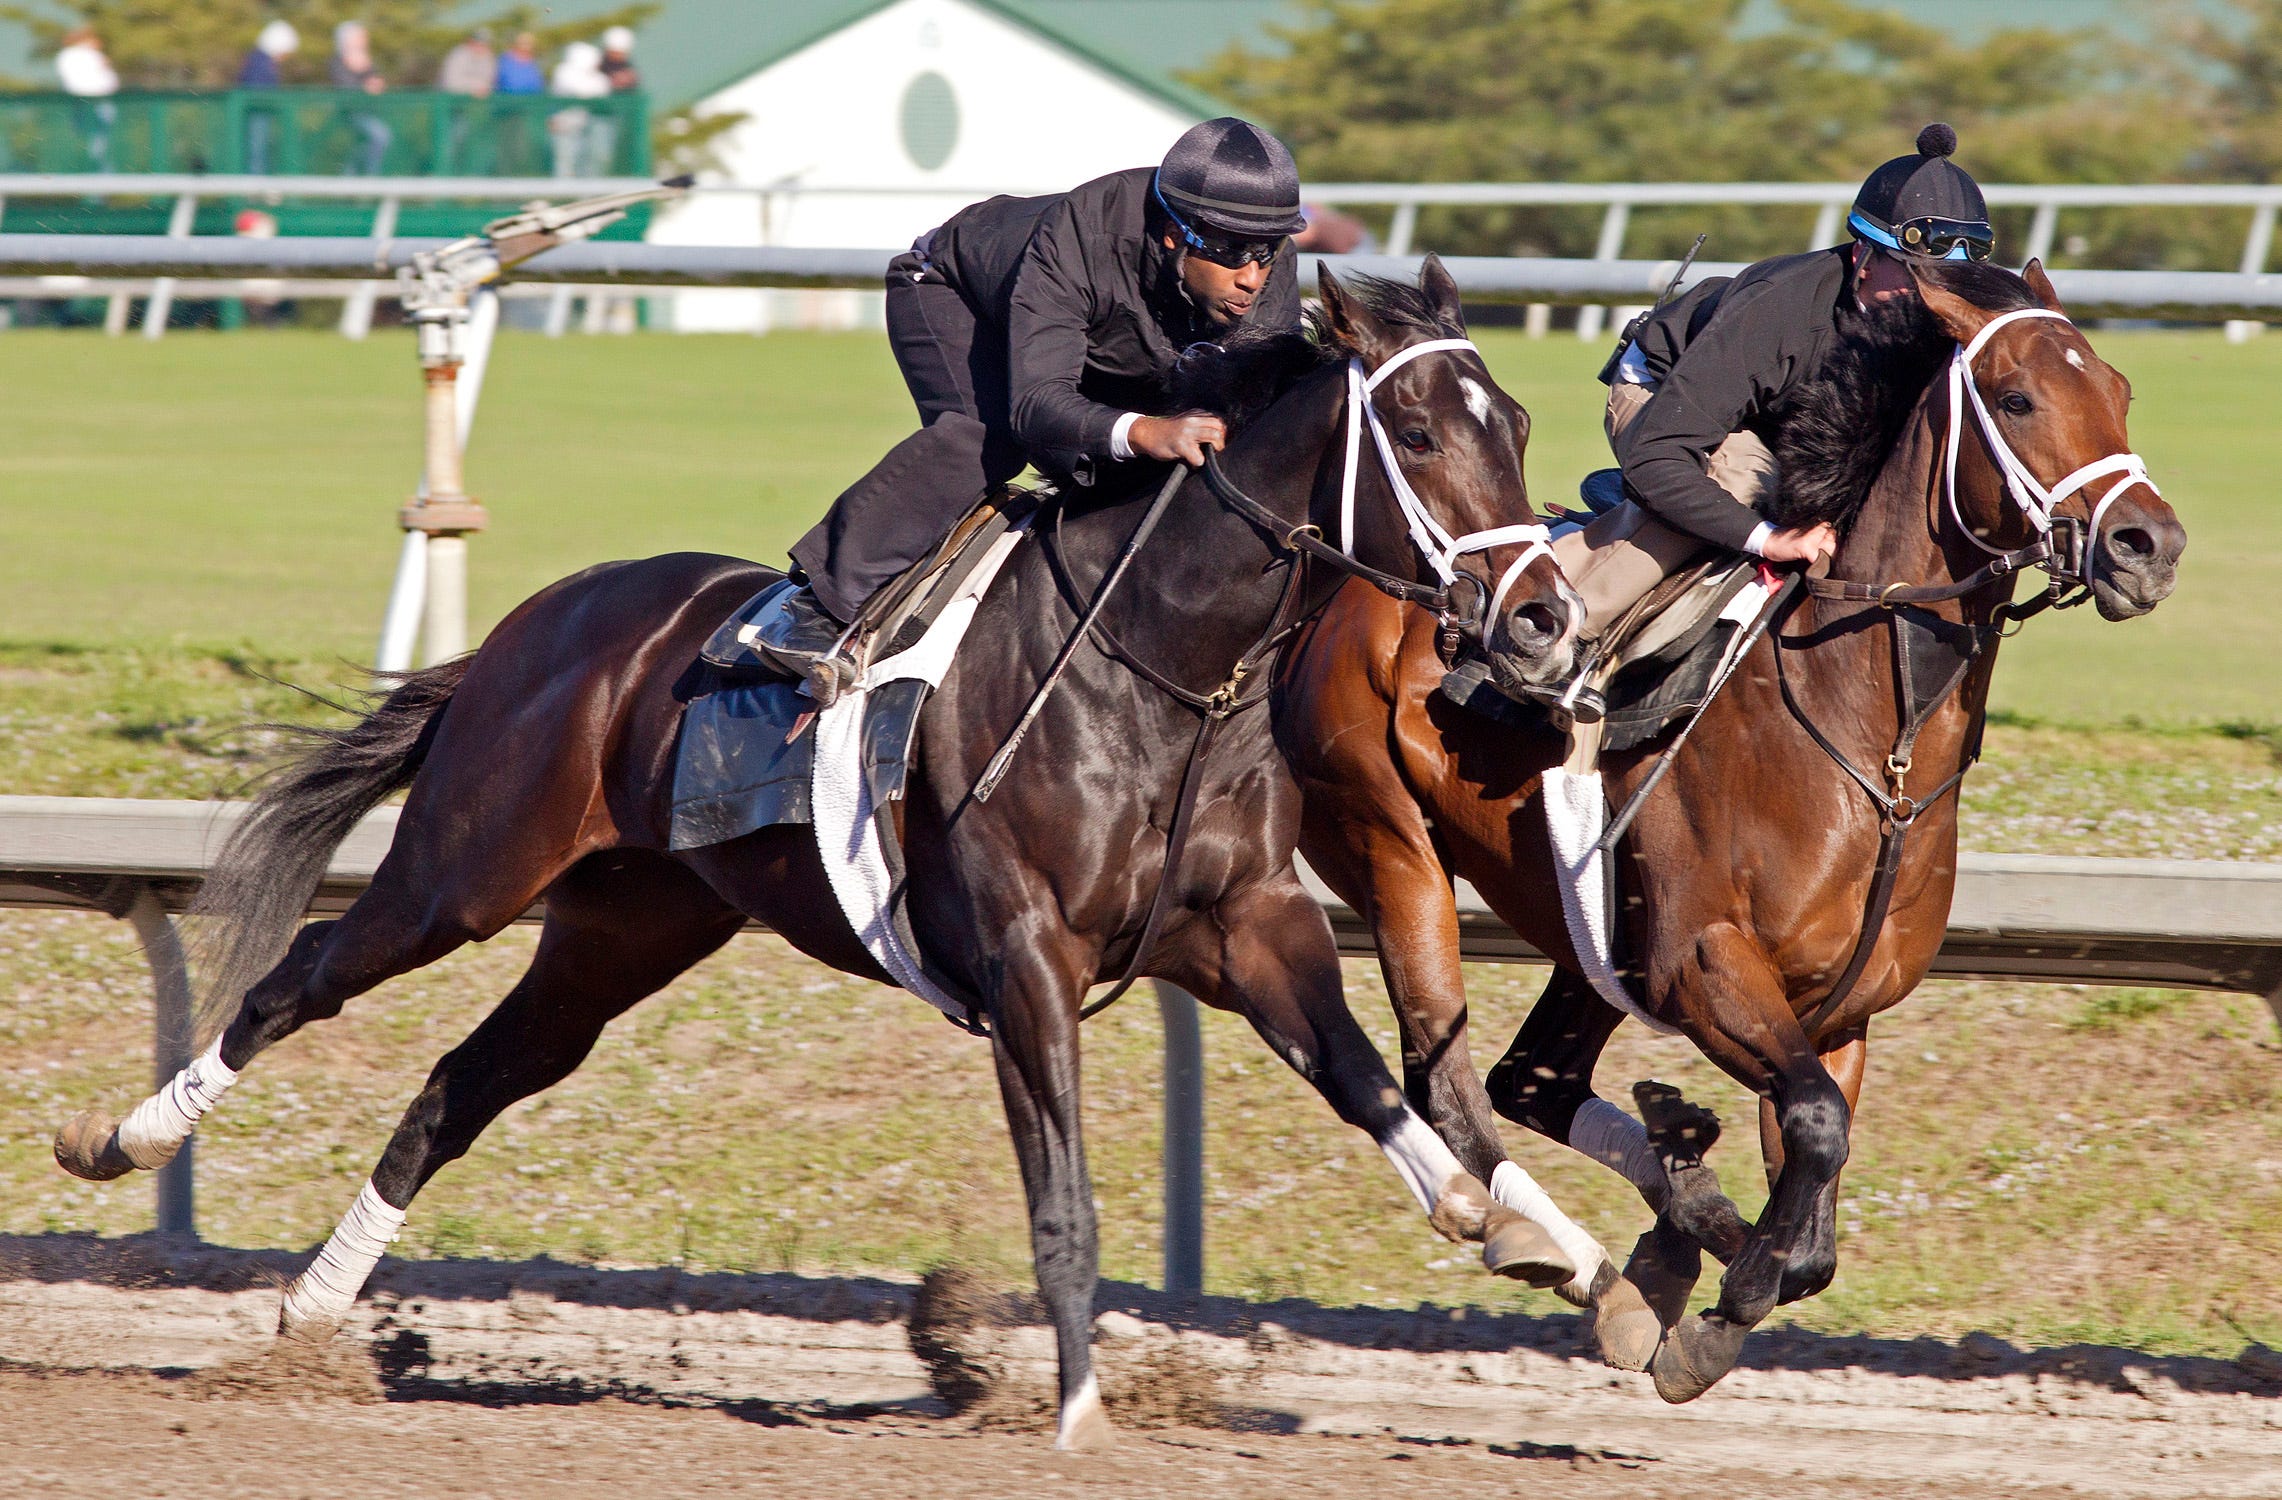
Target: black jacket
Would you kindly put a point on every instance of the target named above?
(1723, 356)
(1090, 304)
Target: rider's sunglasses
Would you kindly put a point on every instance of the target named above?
(1233, 254)
(1943, 239)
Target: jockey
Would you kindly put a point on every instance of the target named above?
(1044, 331)
(1695, 385)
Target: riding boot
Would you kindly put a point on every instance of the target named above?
(798, 636)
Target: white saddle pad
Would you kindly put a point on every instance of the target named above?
(841, 810)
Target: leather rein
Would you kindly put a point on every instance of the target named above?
(2063, 549)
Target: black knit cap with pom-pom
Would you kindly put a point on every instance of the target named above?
(1924, 185)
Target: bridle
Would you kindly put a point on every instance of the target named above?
(1931, 654)
(1433, 540)
(2069, 560)
(2063, 545)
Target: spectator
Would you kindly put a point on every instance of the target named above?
(579, 76)
(470, 68)
(618, 60)
(264, 68)
(519, 70)
(82, 68)
(1330, 232)
(87, 74)
(352, 69)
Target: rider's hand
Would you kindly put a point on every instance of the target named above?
(1184, 437)
(1802, 544)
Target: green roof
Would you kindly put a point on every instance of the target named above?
(693, 48)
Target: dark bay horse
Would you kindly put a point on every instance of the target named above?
(1745, 881)
(539, 769)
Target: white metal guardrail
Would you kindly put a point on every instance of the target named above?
(1617, 200)
(2184, 295)
(2180, 923)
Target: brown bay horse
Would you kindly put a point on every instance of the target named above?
(540, 769)
(1745, 880)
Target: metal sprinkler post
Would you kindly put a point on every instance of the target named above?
(448, 296)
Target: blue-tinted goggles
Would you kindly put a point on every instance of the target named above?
(1942, 239)
(1231, 254)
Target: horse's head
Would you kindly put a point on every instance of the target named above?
(2049, 417)
(1431, 483)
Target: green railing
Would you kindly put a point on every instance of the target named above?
(309, 132)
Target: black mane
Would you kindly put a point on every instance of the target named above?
(1245, 373)
(1834, 431)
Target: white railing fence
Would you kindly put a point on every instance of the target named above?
(774, 203)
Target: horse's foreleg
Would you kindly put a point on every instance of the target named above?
(1812, 1266)
(1741, 1017)
(615, 933)
(1034, 1042)
(1274, 963)
(1407, 896)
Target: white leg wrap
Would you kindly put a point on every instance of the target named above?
(1619, 1142)
(159, 1125)
(1425, 1163)
(1517, 1190)
(328, 1289)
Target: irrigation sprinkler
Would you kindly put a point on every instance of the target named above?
(450, 299)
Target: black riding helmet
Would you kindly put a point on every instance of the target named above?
(1231, 191)
(1925, 205)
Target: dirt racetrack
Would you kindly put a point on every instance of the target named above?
(128, 1368)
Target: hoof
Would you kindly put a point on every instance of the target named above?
(303, 1327)
(1664, 1267)
(88, 1146)
(1624, 1326)
(1512, 1246)
(1695, 1353)
(1676, 1127)
(1085, 1426)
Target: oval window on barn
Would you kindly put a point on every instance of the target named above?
(930, 121)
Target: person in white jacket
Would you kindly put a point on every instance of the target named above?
(86, 73)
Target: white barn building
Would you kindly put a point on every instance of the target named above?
(889, 117)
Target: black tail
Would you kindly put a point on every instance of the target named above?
(260, 887)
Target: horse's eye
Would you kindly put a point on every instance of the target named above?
(1416, 440)
(2016, 404)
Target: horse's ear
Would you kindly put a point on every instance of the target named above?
(2041, 284)
(1958, 317)
(1352, 324)
(1441, 290)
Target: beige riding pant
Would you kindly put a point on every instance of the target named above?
(1626, 552)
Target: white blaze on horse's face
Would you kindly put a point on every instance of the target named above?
(1477, 399)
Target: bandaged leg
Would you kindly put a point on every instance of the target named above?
(1459, 1208)
(1619, 1142)
(156, 1128)
(1517, 1190)
(318, 1300)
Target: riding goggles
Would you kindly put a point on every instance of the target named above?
(1941, 239)
(1232, 255)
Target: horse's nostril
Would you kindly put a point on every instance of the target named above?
(2130, 544)
(1536, 619)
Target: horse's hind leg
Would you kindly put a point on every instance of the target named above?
(391, 929)
(620, 926)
